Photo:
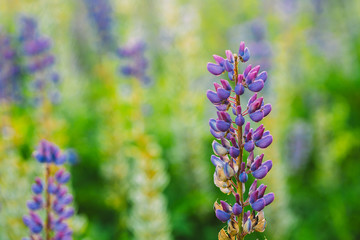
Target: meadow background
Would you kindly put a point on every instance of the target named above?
(141, 146)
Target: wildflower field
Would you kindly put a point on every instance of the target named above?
(177, 119)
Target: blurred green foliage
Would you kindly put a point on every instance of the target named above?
(120, 128)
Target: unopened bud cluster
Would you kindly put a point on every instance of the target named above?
(233, 135)
(51, 196)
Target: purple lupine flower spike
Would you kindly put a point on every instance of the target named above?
(39, 60)
(137, 64)
(233, 136)
(100, 14)
(52, 197)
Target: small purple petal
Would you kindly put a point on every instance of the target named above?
(241, 48)
(253, 197)
(264, 142)
(268, 164)
(223, 94)
(269, 198)
(234, 152)
(222, 125)
(263, 76)
(217, 135)
(237, 209)
(256, 86)
(226, 207)
(218, 59)
(249, 146)
(229, 56)
(222, 216)
(239, 89)
(226, 85)
(256, 116)
(228, 66)
(215, 69)
(258, 205)
(260, 173)
(267, 109)
(261, 190)
(213, 97)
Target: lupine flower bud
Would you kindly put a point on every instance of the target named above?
(237, 209)
(244, 52)
(264, 142)
(222, 216)
(36, 203)
(215, 69)
(243, 177)
(269, 198)
(256, 116)
(38, 186)
(226, 85)
(253, 187)
(256, 86)
(219, 60)
(249, 146)
(62, 177)
(239, 120)
(261, 172)
(213, 97)
(258, 205)
(263, 76)
(234, 152)
(223, 126)
(222, 93)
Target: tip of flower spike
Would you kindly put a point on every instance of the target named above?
(215, 69)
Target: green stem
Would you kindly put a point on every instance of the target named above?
(240, 158)
(48, 203)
